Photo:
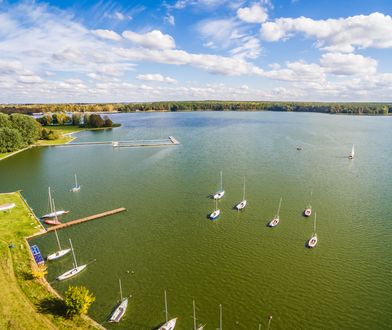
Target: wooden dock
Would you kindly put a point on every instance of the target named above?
(91, 217)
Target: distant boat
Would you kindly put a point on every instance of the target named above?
(214, 215)
(299, 148)
(53, 213)
(60, 253)
(74, 271)
(241, 205)
(120, 309)
(169, 325)
(308, 210)
(275, 221)
(220, 193)
(201, 327)
(114, 144)
(6, 207)
(313, 240)
(351, 155)
(76, 187)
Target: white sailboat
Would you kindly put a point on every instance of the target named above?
(77, 186)
(313, 240)
(214, 215)
(308, 210)
(169, 324)
(54, 220)
(220, 193)
(275, 221)
(351, 155)
(74, 271)
(120, 310)
(201, 327)
(52, 213)
(60, 253)
(241, 205)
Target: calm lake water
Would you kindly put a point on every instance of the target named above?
(165, 241)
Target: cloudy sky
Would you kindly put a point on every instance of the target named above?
(126, 51)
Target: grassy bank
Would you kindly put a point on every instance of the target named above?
(26, 303)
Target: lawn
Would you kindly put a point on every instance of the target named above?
(25, 302)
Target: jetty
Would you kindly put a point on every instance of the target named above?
(169, 141)
(89, 218)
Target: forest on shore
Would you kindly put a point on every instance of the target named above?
(332, 108)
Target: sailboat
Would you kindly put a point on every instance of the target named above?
(308, 210)
(169, 325)
(220, 317)
(201, 327)
(55, 220)
(76, 187)
(53, 213)
(60, 253)
(241, 205)
(313, 240)
(275, 221)
(220, 193)
(214, 215)
(74, 271)
(120, 309)
(351, 155)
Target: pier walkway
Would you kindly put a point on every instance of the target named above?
(89, 218)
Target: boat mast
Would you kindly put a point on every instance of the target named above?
(220, 317)
(58, 241)
(216, 204)
(194, 316)
(315, 218)
(221, 180)
(50, 201)
(269, 321)
(55, 214)
(76, 181)
(73, 253)
(121, 297)
(166, 306)
(280, 203)
(244, 190)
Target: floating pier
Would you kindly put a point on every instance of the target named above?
(170, 141)
(91, 217)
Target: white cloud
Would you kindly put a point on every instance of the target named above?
(348, 64)
(156, 77)
(335, 35)
(170, 19)
(107, 34)
(153, 40)
(118, 15)
(251, 48)
(253, 14)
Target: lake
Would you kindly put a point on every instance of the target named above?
(165, 242)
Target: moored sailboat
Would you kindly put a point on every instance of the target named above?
(54, 220)
(313, 240)
(60, 253)
(53, 213)
(351, 155)
(220, 193)
(169, 324)
(200, 327)
(241, 205)
(120, 310)
(214, 215)
(275, 221)
(308, 210)
(74, 271)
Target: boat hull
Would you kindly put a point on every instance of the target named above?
(169, 325)
(58, 254)
(312, 241)
(71, 273)
(55, 214)
(241, 205)
(214, 215)
(119, 311)
(219, 194)
(75, 189)
(52, 222)
(274, 222)
(308, 212)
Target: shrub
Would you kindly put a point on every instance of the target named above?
(78, 300)
(10, 139)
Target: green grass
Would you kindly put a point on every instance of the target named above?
(65, 129)
(25, 302)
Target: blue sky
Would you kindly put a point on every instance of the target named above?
(131, 51)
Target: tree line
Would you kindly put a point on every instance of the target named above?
(332, 107)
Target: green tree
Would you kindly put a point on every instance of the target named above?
(10, 139)
(96, 121)
(78, 300)
(4, 120)
(107, 122)
(76, 116)
(28, 127)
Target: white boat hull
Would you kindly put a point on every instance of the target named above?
(219, 194)
(75, 189)
(169, 325)
(119, 311)
(7, 207)
(55, 214)
(58, 254)
(312, 241)
(241, 205)
(308, 212)
(71, 273)
(274, 222)
(214, 215)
